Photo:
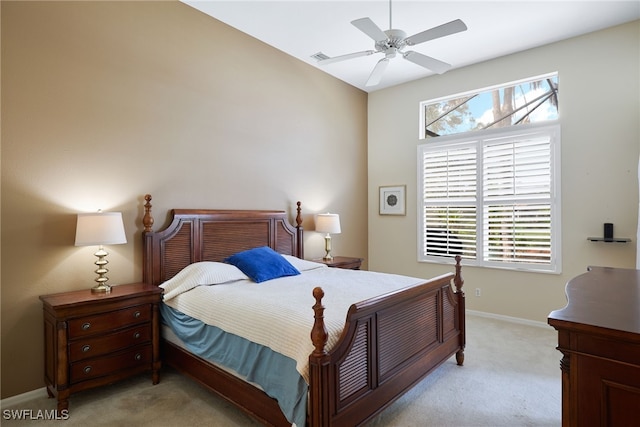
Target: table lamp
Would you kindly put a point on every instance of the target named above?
(330, 224)
(100, 228)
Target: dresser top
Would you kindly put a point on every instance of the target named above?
(603, 297)
(118, 292)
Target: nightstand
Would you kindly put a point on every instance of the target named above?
(96, 339)
(342, 262)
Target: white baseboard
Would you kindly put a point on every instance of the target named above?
(24, 397)
(509, 319)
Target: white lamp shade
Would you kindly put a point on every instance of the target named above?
(100, 228)
(328, 223)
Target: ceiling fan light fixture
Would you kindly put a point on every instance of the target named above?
(393, 41)
(395, 37)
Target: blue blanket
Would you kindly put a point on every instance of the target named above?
(275, 373)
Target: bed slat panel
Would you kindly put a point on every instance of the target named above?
(403, 334)
(177, 253)
(284, 239)
(353, 372)
(223, 239)
(449, 318)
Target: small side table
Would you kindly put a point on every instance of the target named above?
(93, 340)
(346, 262)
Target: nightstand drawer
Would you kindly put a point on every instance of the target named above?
(84, 348)
(110, 321)
(92, 368)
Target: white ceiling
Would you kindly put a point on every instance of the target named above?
(302, 28)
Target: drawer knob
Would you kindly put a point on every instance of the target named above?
(86, 326)
(136, 314)
(136, 335)
(138, 356)
(87, 369)
(86, 348)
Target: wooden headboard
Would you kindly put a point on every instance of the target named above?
(195, 235)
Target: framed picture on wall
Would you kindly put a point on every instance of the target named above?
(392, 200)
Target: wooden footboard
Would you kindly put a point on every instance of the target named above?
(388, 345)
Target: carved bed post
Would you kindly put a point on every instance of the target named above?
(319, 389)
(147, 252)
(319, 333)
(299, 232)
(147, 219)
(458, 281)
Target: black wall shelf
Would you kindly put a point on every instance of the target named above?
(611, 240)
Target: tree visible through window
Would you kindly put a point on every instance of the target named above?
(492, 195)
(525, 102)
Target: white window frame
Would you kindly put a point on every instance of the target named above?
(480, 138)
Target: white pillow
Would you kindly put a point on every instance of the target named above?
(201, 274)
(303, 264)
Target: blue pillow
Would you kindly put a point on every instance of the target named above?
(262, 264)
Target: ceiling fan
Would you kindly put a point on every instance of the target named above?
(392, 42)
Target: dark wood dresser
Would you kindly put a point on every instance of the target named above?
(95, 339)
(599, 337)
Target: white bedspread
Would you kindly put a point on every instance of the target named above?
(278, 313)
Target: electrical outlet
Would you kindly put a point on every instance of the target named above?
(477, 292)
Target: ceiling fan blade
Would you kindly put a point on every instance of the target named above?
(378, 70)
(447, 29)
(426, 62)
(368, 27)
(345, 57)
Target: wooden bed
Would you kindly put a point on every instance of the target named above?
(388, 345)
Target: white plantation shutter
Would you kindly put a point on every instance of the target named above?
(517, 199)
(494, 200)
(449, 178)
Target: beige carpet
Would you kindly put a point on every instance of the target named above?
(511, 377)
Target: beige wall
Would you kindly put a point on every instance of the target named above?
(102, 103)
(599, 110)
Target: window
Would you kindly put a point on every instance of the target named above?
(529, 101)
(492, 196)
